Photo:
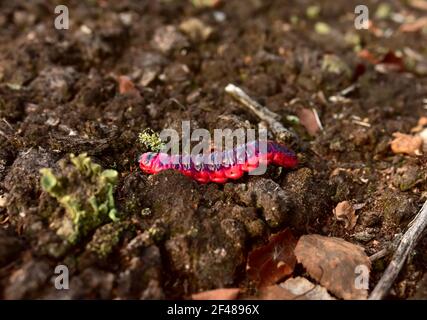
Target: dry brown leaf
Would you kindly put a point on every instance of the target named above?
(274, 261)
(217, 294)
(275, 292)
(415, 26)
(365, 54)
(345, 211)
(3, 201)
(418, 4)
(390, 62)
(422, 122)
(126, 85)
(310, 120)
(406, 144)
(423, 136)
(334, 263)
(378, 32)
(304, 289)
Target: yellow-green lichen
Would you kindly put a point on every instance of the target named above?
(85, 191)
(106, 238)
(150, 140)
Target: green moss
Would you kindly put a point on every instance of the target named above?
(150, 140)
(106, 238)
(85, 191)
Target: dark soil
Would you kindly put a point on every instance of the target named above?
(59, 94)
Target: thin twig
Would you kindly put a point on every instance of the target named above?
(406, 245)
(7, 123)
(263, 113)
(380, 254)
(391, 247)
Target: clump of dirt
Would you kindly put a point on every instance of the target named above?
(60, 94)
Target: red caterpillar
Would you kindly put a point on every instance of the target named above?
(220, 166)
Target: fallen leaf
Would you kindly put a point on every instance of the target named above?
(275, 292)
(345, 211)
(422, 122)
(418, 4)
(365, 54)
(415, 26)
(423, 136)
(337, 171)
(126, 85)
(274, 261)
(310, 120)
(217, 294)
(302, 288)
(390, 63)
(334, 263)
(406, 144)
(378, 32)
(3, 201)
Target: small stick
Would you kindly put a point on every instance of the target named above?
(380, 254)
(4, 135)
(406, 245)
(263, 113)
(389, 248)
